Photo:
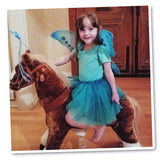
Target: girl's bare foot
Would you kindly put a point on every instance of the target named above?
(98, 133)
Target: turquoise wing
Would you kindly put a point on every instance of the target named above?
(106, 38)
(67, 38)
(115, 68)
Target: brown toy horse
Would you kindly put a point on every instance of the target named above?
(54, 94)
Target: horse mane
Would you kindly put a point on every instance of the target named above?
(58, 72)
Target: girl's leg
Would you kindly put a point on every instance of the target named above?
(99, 130)
(70, 121)
(98, 133)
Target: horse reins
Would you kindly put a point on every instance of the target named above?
(58, 101)
(29, 72)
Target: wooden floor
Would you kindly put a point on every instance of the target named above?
(27, 127)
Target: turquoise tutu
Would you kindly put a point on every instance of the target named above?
(91, 103)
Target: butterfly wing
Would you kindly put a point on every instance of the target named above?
(66, 38)
(106, 38)
(115, 68)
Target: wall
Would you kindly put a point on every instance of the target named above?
(16, 22)
(40, 24)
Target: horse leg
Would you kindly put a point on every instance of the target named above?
(124, 126)
(58, 129)
(44, 139)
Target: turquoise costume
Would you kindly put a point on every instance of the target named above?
(91, 97)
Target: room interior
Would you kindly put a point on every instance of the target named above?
(130, 27)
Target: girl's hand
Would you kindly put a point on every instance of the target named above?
(115, 97)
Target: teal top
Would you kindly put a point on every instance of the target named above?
(91, 63)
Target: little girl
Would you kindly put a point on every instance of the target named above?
(95, 98)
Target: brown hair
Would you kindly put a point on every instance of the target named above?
(79, 25)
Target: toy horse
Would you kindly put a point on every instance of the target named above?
(54, 94)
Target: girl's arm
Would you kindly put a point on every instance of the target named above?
(110, 77)
(64, 60)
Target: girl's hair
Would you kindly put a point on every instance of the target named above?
(79, 25)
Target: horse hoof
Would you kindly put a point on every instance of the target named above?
(125, 144)
(41, 147)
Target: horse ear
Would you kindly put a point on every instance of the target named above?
(28, 51)
(26, 58)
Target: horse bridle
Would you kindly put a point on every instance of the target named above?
(29, 73)
(58, 101)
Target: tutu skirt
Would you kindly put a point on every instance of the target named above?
(91, 102)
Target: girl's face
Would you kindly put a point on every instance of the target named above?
(87, 33)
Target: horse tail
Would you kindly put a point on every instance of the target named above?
(137, 110)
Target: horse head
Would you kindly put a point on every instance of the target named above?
(32, 69)
(17, 82)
